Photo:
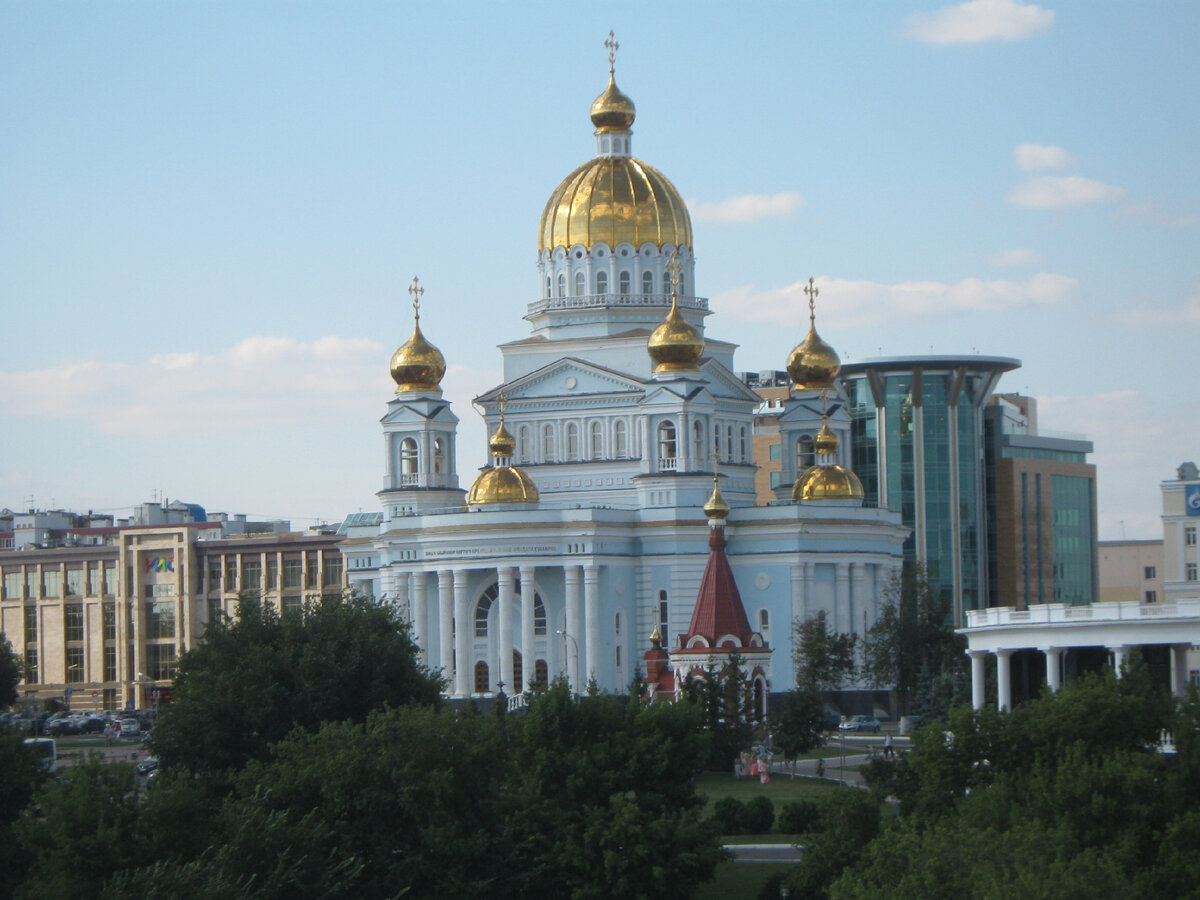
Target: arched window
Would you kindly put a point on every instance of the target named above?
(625, 281)
(764, 620)
(617, 625)
(620, 439)
(602, 282)
(698, 444)
(596, 440)
(524, 447)
(666, 441)
(729, 443)
(662, 612)
(409, 457)
(580, 284)
(482, 610)
(562, 285)
(547, 443)
(572, 441)
(547, 287)
(742, 444)
(647, 282)
(541, 674)
(483, 680)
(805, 456)
(539, 616)
(439, 456)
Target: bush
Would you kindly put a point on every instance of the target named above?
(758, 815)
(729, 813)
(798, 816)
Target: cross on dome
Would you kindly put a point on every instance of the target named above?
(812, 290)
(613, 47)
(416, 290)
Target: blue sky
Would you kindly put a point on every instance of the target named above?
(209, 214)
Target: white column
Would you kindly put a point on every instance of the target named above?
(462, 636)
(858, 597)
(591, 607)
(418, 599)
(571, 642)
(799, 601)
(528, 653)
(1004, 679)
(402, 602)
(1119, 655)
(978, 678)
(1179, 669)
(504, 643)
(1053, 667)
(684, 450)
(842, 598)
(446, 626)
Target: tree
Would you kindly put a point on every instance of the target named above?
(825, 659)
(11, 672)
(913, 639)
(251, 680)
(21, 772)
(725, 706)
(799, 725)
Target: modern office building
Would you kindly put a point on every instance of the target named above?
(917, 444)
(585, 530)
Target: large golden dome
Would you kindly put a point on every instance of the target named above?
(503, 484)
(814, 364)
(614, 200)
(832, 482)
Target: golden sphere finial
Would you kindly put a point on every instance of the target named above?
(417, 365)
(813, 365)
(675, 346)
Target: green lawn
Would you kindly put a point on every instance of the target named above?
(781, 789)
(739, 881)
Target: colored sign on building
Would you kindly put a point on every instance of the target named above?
(1193, 500)
(160, 563)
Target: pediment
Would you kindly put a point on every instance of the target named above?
(723, 383)
(673, 392)
(419, 410)
(806, 412)
(566, 378)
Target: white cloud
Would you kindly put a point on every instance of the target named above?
(846, 303)
(1062, 191)
(1029, 157)
(1144, 211)
(1186, 315)
(979, 21)
(746, 208)
(1014, 257)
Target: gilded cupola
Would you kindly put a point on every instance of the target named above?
(614, 198)
(417, 365)
(827, 480)
(675, 345)
(502, 482)
(716, 507)
(814, 364)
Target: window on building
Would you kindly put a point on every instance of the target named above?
(252, 574)
(12, 584)
(1149, 573)
(729, 443)
(698, 444)
(231, 579)
(215, 609)
(1189, 535)
(52, 582)
(666, 440)
(662, 612)
(518, 672)
(483, 678)
(601, 282)
(775, 452)
(743, 450)
(160, 619)
(482, 611)
(292, 605)
(1190, 572)
(1151, 596)
(562, 285)
(293, 572)
(764, 620)
(110, 579)
(580, 284)
(805, 456)
(75, 578)
(73, 622)
(31, 623)
(272, 573)
(75, 670)
(110, 621)
(539, 616)
(214, 573)
(333, 571)
(439, 456)
(647, 282)
(617, 625)
(572, 441)
(547, 443)
(310, 570)
(409, 456)
(620, 439)
(94, 584)
(618, 649)
(541, 674)
(596, 440)
(32, 583)
(625, 282)
(524, 445)
(547, 287)
(160, 661)
(32, 675)
(110, 663)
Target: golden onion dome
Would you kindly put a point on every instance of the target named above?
(503, 484)
(656, 636)
(613, 110)
(826, 441)
(716, 507)
(814, 364)
(502, 443)
(675, 346)
(417, 365)
(614, 200)
(832, 482)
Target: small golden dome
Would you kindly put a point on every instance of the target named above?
(826, 441)
(675, 346)
(502, 443)
(832, 482)
(613, 110)
(503, 484)
(656, 636)
(814, 364)
(417, 365)
(716, 507)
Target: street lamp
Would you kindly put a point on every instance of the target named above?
(140, 678)
(574, 686)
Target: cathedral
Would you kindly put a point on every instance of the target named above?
(619, 433)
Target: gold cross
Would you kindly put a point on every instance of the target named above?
(416, 290)
(673, 267)
(503, 402)
(612, 46)
(812, 290)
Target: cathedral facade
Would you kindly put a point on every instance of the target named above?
(586, 530)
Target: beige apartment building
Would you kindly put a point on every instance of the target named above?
(1131, 571)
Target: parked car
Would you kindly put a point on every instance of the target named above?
(129, 727)
(860, 723)
(147, 766)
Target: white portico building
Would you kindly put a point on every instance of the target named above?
(586, 531)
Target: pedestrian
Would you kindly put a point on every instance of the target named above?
(117, 732)
(108, 733)
(764, 771)
(889, 751)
